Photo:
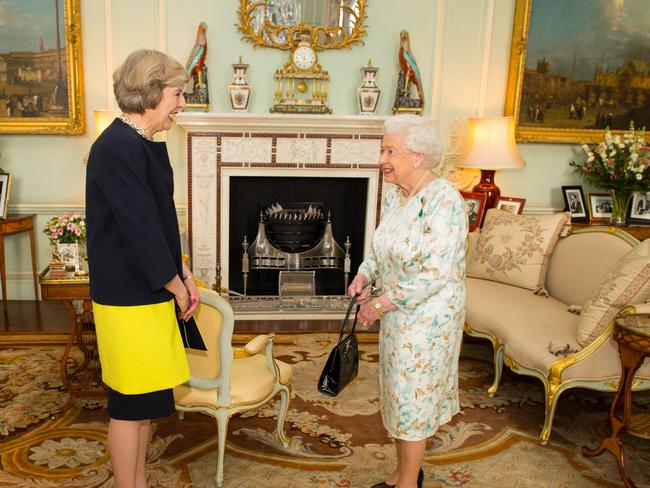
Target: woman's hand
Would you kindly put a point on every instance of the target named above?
(193, 293)
(181, 295)
(369, 314)
(356, 288)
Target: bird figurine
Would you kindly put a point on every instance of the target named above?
(409, 74)
(196, 60)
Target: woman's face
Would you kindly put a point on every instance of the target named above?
(397, 164)
(171, 102)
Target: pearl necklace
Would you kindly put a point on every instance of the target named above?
(131, 124)
(403, 200)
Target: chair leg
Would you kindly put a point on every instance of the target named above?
(222, 431)
(285, 400)
(181, 415)
(499, 352)
(552, 397)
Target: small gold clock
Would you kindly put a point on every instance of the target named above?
(301, 86)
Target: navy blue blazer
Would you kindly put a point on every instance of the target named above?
(133, 240)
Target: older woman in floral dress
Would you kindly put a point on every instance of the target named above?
(418, 260)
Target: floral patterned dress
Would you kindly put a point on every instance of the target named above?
(418, 258)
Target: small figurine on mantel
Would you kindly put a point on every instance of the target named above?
(196, 91)
(409, 76)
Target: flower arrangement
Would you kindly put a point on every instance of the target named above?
(66, 229)
(617, 163)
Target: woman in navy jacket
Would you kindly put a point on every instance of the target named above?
(138, 282)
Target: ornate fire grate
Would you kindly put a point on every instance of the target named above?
(295, 237)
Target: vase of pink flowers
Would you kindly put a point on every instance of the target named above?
(67, 233)
(620, 164)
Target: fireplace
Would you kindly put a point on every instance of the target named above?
(344, 200)
(237, 162)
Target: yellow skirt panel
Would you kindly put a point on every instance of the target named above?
(140, 347)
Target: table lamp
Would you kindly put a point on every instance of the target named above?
(490, 146)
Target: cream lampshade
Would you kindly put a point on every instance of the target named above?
(104, 118)
(490, 146)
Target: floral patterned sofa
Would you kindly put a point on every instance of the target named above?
(546, 297)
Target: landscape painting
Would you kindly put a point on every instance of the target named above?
(41, 86)
(578, 67)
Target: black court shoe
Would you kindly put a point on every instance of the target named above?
(383, 484)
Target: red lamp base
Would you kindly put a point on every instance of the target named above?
(487, 186)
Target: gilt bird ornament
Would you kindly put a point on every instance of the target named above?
(196, 60)
(409, 74)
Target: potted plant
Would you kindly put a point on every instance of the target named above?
(67, 232)
(619, 164)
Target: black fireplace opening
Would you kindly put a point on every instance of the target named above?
(344, 199)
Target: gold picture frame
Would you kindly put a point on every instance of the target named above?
(570, 94)
(42, 92)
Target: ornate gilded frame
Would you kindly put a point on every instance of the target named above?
(522, 19)
(269, 33)
(74, 123)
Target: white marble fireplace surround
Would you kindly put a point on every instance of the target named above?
(220, 146)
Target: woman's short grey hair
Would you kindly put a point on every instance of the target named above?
(419, 136)
(138, 84)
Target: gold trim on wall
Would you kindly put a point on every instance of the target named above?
(75, 122)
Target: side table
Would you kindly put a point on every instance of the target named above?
(640, 232)
(86, 377)
(15, 224)
(632, 333)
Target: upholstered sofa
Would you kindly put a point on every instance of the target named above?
(546, 298)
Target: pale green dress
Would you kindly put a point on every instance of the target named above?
(418, 258)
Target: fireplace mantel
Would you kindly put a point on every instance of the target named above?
(221, 146)
(227, 122)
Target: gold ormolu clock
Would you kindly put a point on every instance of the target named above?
(301, 85)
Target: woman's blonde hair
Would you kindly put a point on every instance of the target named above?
(419, 136)
(138, 84)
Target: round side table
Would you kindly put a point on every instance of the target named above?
(632, 333)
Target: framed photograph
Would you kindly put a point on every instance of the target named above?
(574, 202)
(639, 211)
(510, 204)
(475, 208)
(41, 69)
(5, 190)
(559, 92)
(600, 206)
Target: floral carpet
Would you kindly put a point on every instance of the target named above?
(48, 439)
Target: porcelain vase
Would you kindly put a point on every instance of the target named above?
(239, 91)
(368, 93)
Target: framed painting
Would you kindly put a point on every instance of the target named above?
(41, 69)
(639, 211)
(574, 202)
(5, 190)
(475, 208)
(600, 206)
(510, 204)
(576, 68)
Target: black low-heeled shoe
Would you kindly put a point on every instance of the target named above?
(383, 484)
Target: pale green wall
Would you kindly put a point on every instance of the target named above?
(48, 173)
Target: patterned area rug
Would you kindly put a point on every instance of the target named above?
(48, 439)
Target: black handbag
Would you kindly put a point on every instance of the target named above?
(342, 364)
(191, 335)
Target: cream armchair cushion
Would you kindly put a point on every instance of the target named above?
(515, 249)
(627, 282)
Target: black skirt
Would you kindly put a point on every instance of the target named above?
(143, 406)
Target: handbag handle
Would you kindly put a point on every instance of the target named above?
(347, 317)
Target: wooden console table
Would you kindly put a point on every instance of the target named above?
(85, 377)
(15, 224)
(632, 332)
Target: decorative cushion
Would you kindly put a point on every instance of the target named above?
(515, 249)
(627, 282)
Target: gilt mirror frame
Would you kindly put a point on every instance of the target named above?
(286, 37)
(68, 117)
